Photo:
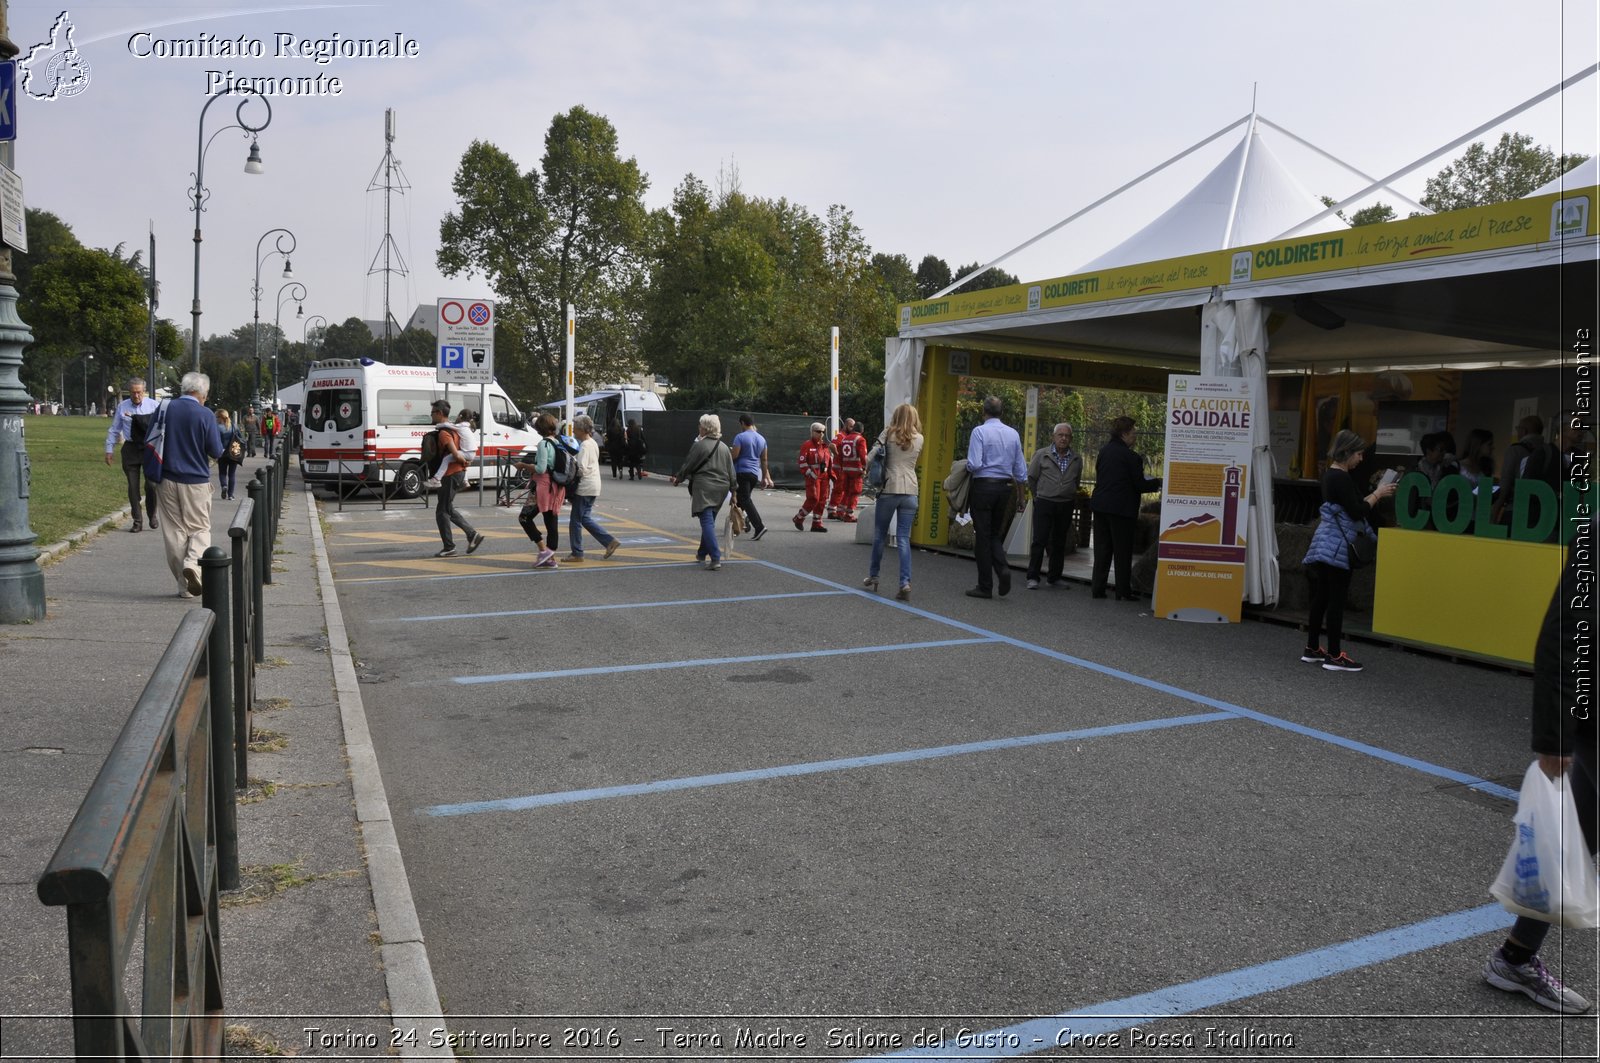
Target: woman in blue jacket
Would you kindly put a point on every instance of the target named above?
(1344, 516)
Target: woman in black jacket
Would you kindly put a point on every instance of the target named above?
(1119, 481)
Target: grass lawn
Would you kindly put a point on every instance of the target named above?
(71, 483)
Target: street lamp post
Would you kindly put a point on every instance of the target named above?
(255, 291)
(297, 294)
(88, 358)
(201, 193)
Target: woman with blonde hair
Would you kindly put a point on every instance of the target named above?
(708, 469)
(903, 442)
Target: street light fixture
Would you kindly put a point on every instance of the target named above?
(322, 331)
(278, 248)
(297, 294)
(200, 193)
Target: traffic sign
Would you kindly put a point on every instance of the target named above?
(8, 100)
(466, 341)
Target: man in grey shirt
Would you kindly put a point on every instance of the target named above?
(1053, 477)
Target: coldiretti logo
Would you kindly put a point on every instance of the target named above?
(931, 309)
(1066, 289)
(1295, 254)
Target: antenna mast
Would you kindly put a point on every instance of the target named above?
(391, 179)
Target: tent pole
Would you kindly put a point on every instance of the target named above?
(1456, 143)
(1401, 196)
(958, 282)
(1238, 181)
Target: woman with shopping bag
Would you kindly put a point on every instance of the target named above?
(1564, 737)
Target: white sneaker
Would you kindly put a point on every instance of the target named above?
(433, 483)
(1535, 981)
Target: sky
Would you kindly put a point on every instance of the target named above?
(959, 129)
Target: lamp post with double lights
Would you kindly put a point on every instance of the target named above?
(297, 294)
(200, 193)
(278, 248)
(321, 331)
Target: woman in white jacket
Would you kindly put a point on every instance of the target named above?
(588, 489)
(898, 499)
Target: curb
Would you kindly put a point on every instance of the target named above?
(50, 553)
(407, 973)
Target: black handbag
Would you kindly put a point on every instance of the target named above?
(1363, 548)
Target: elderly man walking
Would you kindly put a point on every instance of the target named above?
(994, 455)
(1053, 477)
(192, 443)
(130, 424)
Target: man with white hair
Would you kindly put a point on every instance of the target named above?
(192, 443)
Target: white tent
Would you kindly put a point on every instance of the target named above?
(1584, 175)
(1249, 197)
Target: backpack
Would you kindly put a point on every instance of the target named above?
(233, 453)
(563, 465)
(432, 452)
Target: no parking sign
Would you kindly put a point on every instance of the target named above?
(466, 341)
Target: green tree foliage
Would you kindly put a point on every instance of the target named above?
(350, 339)
(744, 292)
(896, 276)
(994, 277)
(1511, 169)
(933, 275)
(573, 231)
(83, 299)
(1373, 215)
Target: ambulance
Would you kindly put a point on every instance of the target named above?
(364, 422)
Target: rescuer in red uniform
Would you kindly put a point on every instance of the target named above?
(849, 472)
(816, 462)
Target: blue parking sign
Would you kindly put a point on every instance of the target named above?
(8, 100)
(452, 357)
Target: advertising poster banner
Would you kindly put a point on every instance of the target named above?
(1204, 504)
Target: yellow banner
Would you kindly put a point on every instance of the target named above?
(1541, 219)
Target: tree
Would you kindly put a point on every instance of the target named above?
(993, 277)
(896, 276)
(1373, 215)
(573, 231)
(933, 275)
(85, 300)
(352, 339)
(1511, 170)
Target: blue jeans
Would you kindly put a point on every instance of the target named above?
(904, 509)
(582, 508)
(708, 535)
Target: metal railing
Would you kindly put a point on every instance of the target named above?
(138, 870)
(248, 650)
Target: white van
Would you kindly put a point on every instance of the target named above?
(625, 401)
(365, 419)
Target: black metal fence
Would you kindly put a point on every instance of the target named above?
(155, 840)
(141, 858)
(669, 435)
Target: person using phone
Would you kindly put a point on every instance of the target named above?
(1344, 514)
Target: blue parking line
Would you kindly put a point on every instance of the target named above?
(1070, 1029)
(622, 605)
(702, 662)
(568, 797)
(1470, 781)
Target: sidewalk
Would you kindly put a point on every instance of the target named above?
(300, 941)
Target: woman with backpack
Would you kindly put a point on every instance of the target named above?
(232, 454)
(708, 469)
(548, 495)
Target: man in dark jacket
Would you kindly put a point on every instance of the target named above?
(1119, 482)
(192, 442)
(1564, 737)
(130, 424)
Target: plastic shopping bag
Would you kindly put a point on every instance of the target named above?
(1548, 874)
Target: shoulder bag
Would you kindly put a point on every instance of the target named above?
(878, 464)
(1363, 547)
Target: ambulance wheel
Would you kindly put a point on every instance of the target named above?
(408, 481)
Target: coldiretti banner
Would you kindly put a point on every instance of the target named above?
(1205, 499)
(1150, 278)
(1458, 232)
(1541, 219)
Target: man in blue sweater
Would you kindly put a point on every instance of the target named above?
(184, 493)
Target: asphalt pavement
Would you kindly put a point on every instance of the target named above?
(636, 808)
